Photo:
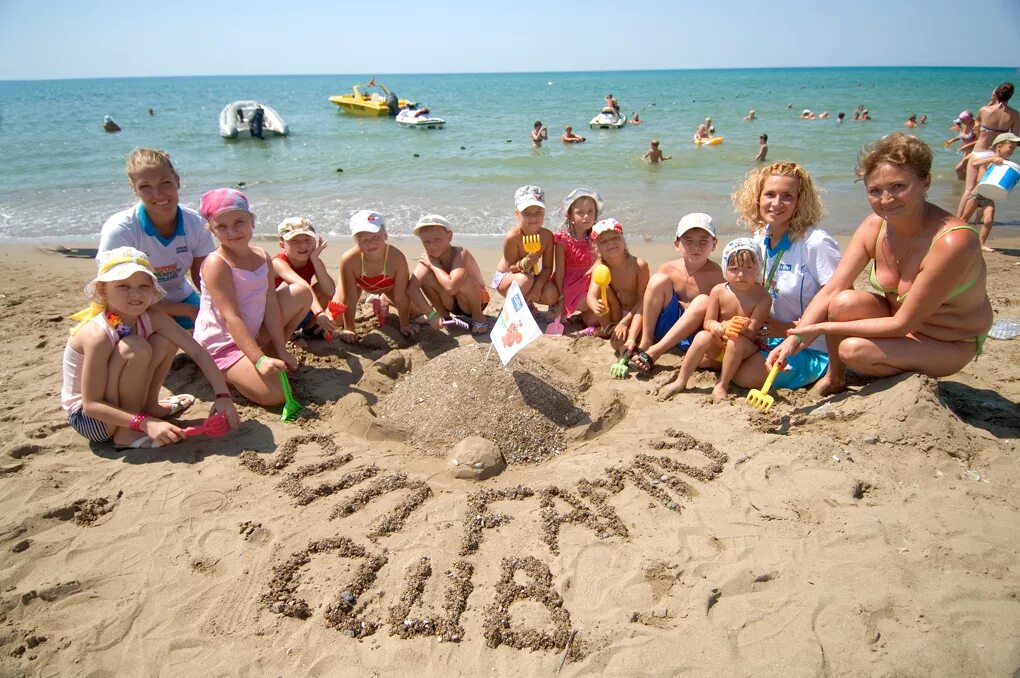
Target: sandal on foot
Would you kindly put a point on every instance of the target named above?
(479, 326)
(457, 322)
(589, 331)
(177, 404)
(641, 361)
(143, 443)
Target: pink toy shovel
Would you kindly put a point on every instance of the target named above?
(555, 328)
(214, 427)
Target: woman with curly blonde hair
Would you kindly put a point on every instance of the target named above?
(930, 311)
(780, 205)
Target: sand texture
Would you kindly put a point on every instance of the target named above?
(870, 533)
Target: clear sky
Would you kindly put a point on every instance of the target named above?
(42, 39)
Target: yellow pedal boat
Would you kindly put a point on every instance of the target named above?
(370, 99)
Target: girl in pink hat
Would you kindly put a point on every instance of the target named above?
(244, 320)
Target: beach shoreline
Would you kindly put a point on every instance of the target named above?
(872, 532)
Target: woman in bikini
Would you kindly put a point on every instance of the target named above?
(930, 311)
(374, 267)
(996, 117)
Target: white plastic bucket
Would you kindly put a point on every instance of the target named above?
(999, 180)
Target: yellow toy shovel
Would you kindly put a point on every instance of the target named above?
(532, 244)
(761, 400)
(602, 277)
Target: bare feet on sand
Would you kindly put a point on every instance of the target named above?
(720, 392)
(828, 385)
(671, 389)
(986, 248)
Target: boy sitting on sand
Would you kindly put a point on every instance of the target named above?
(737, 310)
(532, 271)
(620, 316)
(449, 276)
(676, 297)
(300, 263)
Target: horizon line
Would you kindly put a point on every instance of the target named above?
(525, 72)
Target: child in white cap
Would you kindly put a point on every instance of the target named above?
(380, 270)
(737, 310)
(120, 352)
(677, 295)
(300, 263)
(449, 276)
(620, 316)
(532, 271)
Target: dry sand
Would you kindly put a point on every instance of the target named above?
(871, 533)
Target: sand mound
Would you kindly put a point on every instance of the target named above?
(525, 408)
(903, 410)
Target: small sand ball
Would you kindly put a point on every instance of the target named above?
(476, 458)
(524, 408)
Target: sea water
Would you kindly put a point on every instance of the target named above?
(61, 175)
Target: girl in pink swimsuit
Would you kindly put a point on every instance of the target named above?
(244, 320)
(575, 252)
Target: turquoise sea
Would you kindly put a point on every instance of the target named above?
(61, 175)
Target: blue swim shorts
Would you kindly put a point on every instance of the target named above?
(668, 317)
(183, 320)
(802, 369)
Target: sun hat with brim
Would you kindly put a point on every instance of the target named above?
(606, 226)
(965, 115)
(695, 220)
(432, 220)
(529, 196)
(221, 200)
(576, 195)
(292, 227)
(740, 245)
(1006, 136)
(120, 264)
(366, 221)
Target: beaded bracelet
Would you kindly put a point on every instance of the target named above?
(137, 421)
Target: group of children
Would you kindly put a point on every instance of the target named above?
(249, 304)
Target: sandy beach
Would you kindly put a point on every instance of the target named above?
(870, 533)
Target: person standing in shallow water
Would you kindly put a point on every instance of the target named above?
(539, 133)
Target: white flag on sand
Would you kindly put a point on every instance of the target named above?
(515, 327)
